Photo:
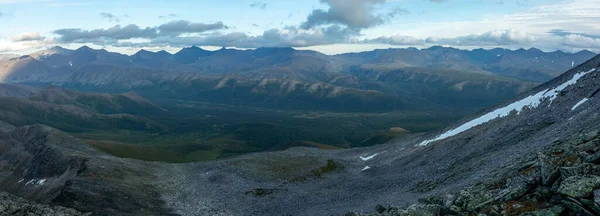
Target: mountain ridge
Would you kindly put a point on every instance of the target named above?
(337, 181)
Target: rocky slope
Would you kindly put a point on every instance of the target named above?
(535, 153)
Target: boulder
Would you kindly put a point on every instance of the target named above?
(579, 186)
(553, 211)
(424, 210)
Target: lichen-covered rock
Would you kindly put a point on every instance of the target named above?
(547, 168)
(554, 211)
(12, 205)
(580, 169)
(517, 187)
(579, 186)
(424, 210)
(597, 198)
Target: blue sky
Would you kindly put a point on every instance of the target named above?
(330, 26)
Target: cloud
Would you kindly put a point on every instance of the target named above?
(560, 32)
(260, 5)
(28, 36)
(183, 26)
(437, 1)
(115, 33)
(110, 17)
(285, 37)
(580, 41)
(171, 15)
(118, 32)
(491, 38)
(356, 14)
(396, 40)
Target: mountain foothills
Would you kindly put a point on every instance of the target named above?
(534, 154)
(283, 78)
(198, 105)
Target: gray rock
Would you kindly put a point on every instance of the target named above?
(580, 169)
(12, 205)
(423, 210)
(547, 168)
(554, 211)
(597, 197)
(579, 186)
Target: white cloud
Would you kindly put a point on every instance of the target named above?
(579, 41)
(490, 38)
(396, 40)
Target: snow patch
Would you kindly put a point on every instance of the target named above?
(572, 63)
(366, 168)
(369, 157)
(530, 102)
(71, 63)
(579, 103)
(41, 181)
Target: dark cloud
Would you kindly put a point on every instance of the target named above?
(356, 14)
(115, 33)
(562, 33)
(260, 5)
(28, 36)
(118, 32)
(183, 26)
(110, 17)
(506, 37)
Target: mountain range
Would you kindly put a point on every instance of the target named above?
(534, 154)
(284, 78)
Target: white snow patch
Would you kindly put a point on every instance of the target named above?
(579, 103)
(572, 63)
(21, 180)
(41, 181)
(366, 168)
(71, 63)
(530, 102)
(30, 182)
(369, 157)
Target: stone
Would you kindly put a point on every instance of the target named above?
(576, 207)
(546, 166)
(423, 210)
(595, 158)
(550, 179)
(449, 200)
(553, 211)
(579, 186)
(581, 169)
(517, 187)
(597, 197)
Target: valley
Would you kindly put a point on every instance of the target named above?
(199, 105)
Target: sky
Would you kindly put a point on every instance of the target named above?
(329, 26)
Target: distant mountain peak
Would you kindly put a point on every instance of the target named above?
(585, 52)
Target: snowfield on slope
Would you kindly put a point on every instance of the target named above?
(579, 103)
(530, 102)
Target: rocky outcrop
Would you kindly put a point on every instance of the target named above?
(564, 180)
(12, 205)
